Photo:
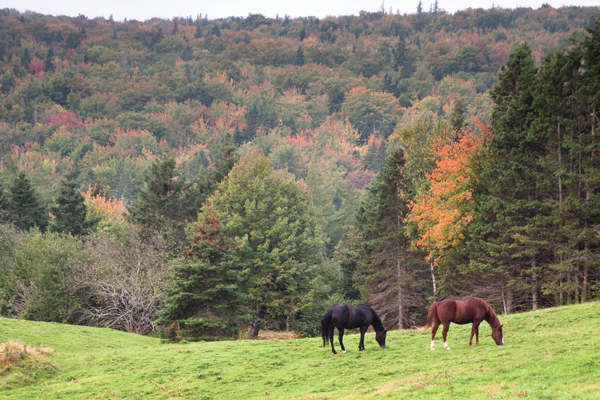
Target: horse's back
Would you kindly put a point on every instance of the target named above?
(350, 317)
(462, 311)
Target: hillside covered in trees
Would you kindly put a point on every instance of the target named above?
(217, 177)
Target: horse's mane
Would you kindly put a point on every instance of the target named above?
(376, 320)
(493, 316)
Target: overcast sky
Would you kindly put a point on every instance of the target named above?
(146, 9)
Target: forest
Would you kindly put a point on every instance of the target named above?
(207, 179)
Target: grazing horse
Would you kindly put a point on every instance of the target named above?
(463, 312)
(349, 317)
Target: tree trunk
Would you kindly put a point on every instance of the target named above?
(509, 300)
(255, 323)
(576, 278)
(584, 286)
(433, 280)
(400, 297)
(534, 288)
(560, 292)
(504, 302)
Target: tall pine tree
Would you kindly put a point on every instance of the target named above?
(69, 213)
(394, 281)
(25, 208)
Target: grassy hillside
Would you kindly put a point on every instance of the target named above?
(549, 354)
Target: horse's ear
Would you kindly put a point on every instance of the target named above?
(501, 326)
(385, 331)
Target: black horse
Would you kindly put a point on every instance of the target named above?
(349, 317)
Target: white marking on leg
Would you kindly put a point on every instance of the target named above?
(344, 351)
(502, 340)
(432, 346)
(446, 346)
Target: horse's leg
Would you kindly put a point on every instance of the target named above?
(340, 336)
(363, 330)
(331, 329)
(477, 334)
(474, 328)
(444, 333)
(434, 328)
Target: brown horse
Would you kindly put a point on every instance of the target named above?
(472, 310)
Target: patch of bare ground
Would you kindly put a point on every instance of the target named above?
(269, 335)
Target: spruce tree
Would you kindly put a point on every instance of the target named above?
(26, 210)
(207, 299)
(457, 120)
(299, 57)
(161, 202)
(508, 236)
(69, 212)
(393, 279)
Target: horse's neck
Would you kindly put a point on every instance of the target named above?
(376, 323)
(492, 318)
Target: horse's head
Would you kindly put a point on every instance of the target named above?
(380, 337)
(497, 335)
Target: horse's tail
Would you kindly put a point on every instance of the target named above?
(325, 324)
(430, 316)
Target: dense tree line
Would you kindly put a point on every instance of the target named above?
(213, 178)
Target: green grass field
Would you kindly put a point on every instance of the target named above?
(549, 354)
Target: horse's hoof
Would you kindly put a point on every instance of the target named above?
(344, 351)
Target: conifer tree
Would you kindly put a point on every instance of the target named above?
(207, 299)
(161, 203)
(26, 210)
(393, 279)
(280, 243)
(457, 120)
(69, 213)
(508, 238)
(299, 57)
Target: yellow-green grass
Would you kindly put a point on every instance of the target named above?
(549, 354)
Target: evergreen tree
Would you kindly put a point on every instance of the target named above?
(69, 213)
(207, 299)
(457, 120)
(393, 279)
(403, 60)
(167, 203)
(48, 63)
(198, 33)
(161, 204)
(26, 59)
(299, 57)
(279, 240)
(26, 210)
(508, 237)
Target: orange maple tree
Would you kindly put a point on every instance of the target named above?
(442, 211)
(109, 211)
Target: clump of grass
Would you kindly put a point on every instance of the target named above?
(21, 364)
(12, 353)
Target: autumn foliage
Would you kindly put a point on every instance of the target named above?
(442, 212)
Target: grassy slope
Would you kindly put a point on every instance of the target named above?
(549, 354)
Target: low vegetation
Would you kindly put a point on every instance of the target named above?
(549, 354)
(21, 365)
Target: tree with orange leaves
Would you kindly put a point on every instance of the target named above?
(443, 211)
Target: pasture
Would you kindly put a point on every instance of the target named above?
(549, 354)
